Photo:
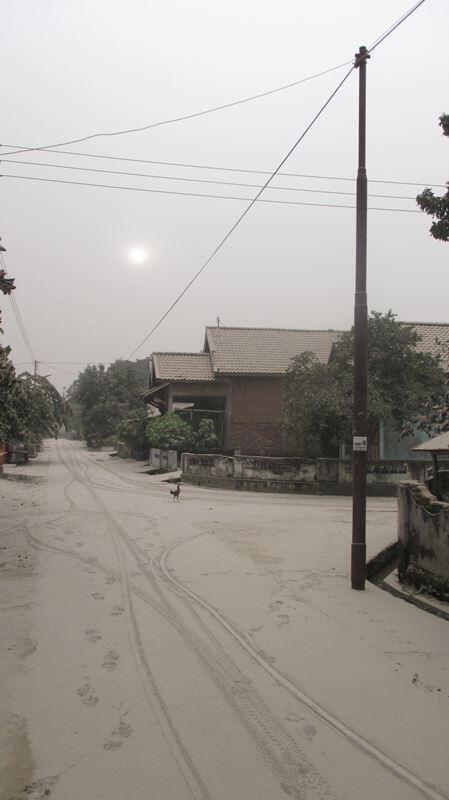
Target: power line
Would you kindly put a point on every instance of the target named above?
(58, 369)
(21, 325)
(79, 363)
(210, 167)
(242, 215)
(199, 194)
(395, 25)
(379, 40)
(202, 113)
(194, 180)
(18, 315)
(252, 201)
(245, 212)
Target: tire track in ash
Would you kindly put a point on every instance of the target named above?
(292, 769)
(369, 748)
(180, 753)
(290, 766)
(218, 660)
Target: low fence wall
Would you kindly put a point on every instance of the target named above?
(247, 472)
(164, 459)
(323, 475)
(157, 457)
(125, 451)
(423, 538)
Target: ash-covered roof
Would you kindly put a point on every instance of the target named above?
(268, 351)
(433, 335)
(264, 351)
(183, 367)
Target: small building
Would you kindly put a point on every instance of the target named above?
(237, 380)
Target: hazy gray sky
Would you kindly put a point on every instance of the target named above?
(70, 69)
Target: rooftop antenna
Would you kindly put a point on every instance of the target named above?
(218, 322)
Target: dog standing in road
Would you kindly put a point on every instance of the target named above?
(176, 492)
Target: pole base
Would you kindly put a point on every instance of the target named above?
(358, 565)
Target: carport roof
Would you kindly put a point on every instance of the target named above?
(440, 444)
(183, 367)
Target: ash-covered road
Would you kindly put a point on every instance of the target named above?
(208, 649)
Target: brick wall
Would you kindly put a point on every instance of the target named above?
(254, 407)
(255, 411)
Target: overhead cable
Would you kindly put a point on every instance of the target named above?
(18, 315)
(193, 180)
(78, 363)
(58, 369)
(242, 215)
(245, 212)
(209, 167)
(185, 117)
(393, 27)
(224, 106)
(200, 194)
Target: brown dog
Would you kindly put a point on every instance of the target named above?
(176, 492)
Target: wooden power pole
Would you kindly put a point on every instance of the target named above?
(360, 432)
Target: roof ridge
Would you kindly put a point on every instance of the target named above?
(292, 330)
(432, 324)
(178, 353)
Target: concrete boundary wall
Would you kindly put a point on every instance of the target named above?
(423, 538)
(308, 476)
(158, 458)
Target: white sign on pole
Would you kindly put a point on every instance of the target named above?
(360, 444)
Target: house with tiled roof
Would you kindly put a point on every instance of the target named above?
(237, 380)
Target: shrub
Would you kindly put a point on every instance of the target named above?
(168, 431)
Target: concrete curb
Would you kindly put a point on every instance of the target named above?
(379, 571)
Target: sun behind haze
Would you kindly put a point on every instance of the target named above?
(138, 256)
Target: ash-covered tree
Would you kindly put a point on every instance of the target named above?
(318, 398)
(314, 411)
(437, 205)
(103, 398)
(10, 423)
(132, 430)
(40, 408)
(433, 417)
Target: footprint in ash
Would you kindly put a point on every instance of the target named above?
(92, 635)
(87, 693)
(117, 736)
(111, 660)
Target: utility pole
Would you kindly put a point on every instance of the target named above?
(360, 432)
